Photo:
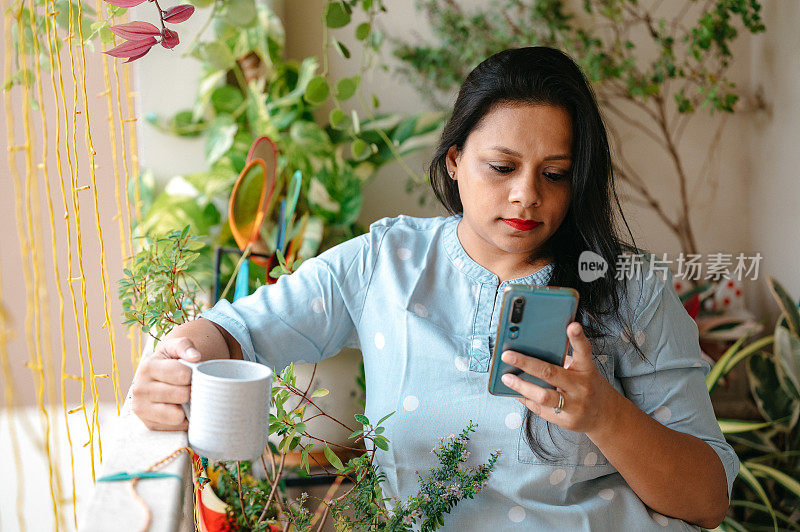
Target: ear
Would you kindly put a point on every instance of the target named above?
(453, 156)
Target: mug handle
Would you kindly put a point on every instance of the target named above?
(192, 366)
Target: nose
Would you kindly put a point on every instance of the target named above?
(525, 191)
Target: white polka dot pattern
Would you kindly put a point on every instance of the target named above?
(660, 519)
(591, 459)
(662, 414)
(516, 514)
(476, 343)
(420, 310)
(318, 305)
(640, 338)
(380, 341)
(557, 476)
(606, 494)
(462, 364)
(404, 253)
(410, 403)
(513, 420)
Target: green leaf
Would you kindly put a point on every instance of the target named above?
(731, 426)
(787, 305)
(778, 476)
(322, 392)
(361, 418)
(317, 90)
(240, 12)
(226, 99)
(337, 117)
(787, 351)
(215, 53)
(220, 137)
(335, 15)
(384, 418)
(343, 50)
(771, 400)
(381, 442)
(732, 357)
(332, 458)
(346, 87)
(362, 31)
(359, 149)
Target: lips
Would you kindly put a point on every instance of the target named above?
(522, 225)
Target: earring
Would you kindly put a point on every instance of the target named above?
(450, 173)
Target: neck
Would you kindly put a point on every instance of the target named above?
(506, 266)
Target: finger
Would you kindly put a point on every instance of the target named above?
(534, 392)
(166, 416)
(161, 392)
(550, 373)
(581, 348)
(160, 426)
(170, 371)
(179, 347)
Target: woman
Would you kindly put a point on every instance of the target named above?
(627, 441)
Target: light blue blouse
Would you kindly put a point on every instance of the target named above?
(423, 314)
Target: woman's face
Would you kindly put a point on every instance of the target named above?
(514, 165)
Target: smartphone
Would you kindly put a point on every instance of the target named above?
(533, 321)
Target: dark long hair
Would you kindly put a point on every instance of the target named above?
(546, 76)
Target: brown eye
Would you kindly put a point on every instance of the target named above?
(554, 176)
(502, 169)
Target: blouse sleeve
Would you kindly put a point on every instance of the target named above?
(308, 315)
(670, 385)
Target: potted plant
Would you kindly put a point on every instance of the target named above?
(768, 448)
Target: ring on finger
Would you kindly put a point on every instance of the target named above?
(558, 408)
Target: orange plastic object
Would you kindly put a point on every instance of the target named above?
(245, 227)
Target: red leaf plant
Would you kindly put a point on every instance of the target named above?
(141, 36)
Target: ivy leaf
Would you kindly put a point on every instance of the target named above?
(337, 117)
(335, 15)
(346, 87)
(343, 50)
(362, 31)
(317, 90)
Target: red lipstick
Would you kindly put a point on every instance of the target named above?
(522, 225)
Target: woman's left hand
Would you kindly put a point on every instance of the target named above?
(587, 394)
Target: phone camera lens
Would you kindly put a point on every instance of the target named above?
(517, 307)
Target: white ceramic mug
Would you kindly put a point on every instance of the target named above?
(229, 408)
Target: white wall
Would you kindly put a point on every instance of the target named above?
(773, 192)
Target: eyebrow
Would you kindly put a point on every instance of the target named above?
(509, 151)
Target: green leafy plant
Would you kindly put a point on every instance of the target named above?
(768, 496)
(247, 89)
(157, 290)
(654, 85)
(255, 504)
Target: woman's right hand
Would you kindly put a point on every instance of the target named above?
(161, 384)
